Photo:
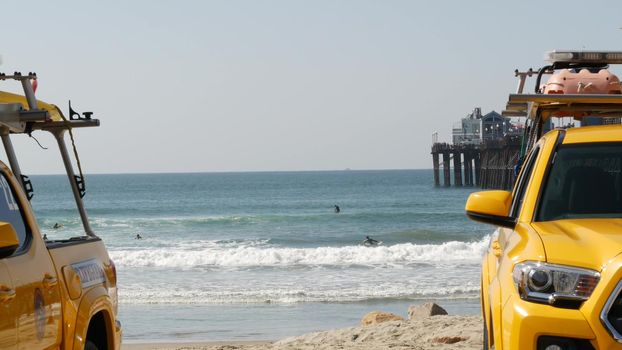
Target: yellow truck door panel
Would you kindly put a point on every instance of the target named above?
(8, 323)
(37, 298)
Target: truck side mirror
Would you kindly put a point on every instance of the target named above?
(8, 240)
(490, 207)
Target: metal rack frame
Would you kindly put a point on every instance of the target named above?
(14, 119)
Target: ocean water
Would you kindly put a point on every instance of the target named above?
(239, 256)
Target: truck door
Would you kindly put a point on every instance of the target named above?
(37, 296)
(8, 321)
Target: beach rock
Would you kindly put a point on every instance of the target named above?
(449, 340)
(425, 310)
(376, 317)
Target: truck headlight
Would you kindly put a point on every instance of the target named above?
(554, 284)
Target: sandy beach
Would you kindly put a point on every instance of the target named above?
(434, 332)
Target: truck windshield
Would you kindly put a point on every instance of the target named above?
(584, 181)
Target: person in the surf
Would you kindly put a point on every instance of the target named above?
(57, 225)
(370, 242)
(337, 209)
(138, 236)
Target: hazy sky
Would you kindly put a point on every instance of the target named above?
(184, 86)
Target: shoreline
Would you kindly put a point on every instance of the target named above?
(425, 333)
(194, 345)
(200, 323)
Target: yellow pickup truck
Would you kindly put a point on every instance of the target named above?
(54, 294)
(552, 275)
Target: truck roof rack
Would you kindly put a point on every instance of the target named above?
(22, 114)
(577, 106)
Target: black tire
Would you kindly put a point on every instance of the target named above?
(90, 346)
(485, 340)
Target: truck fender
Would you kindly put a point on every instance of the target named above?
(494, 298)
(485, 299)
(93, 302)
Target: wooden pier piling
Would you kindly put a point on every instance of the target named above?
(477, 169)
(468, 171)
(457, 169)
(446, 170)
(437, 181)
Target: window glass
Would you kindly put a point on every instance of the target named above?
(584, 182)
(522, 182)
(10, 212)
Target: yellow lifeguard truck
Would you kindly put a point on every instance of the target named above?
(552, 275)
(54, 294)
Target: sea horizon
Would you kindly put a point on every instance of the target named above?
(231, 172)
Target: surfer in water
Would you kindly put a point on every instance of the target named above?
(370, 242)
(57, 225)
(337, 209)
(138, 236)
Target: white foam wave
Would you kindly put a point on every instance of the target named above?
(258, 256)
(172, 220)
(284, 296)
(137, 223)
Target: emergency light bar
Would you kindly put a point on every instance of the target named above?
(578, 57)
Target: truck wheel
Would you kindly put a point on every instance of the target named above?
(90, 346)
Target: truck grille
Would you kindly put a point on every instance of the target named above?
(611, 316)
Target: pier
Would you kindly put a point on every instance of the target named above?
(489, 165)
(466, 164)
(498, 163)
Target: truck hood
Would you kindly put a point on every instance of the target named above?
(589, 243)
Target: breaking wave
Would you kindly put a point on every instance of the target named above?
(282, 296)
(262, 255)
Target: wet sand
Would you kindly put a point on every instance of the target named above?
(435, 332)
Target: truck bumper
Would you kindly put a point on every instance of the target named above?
(523, 323)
